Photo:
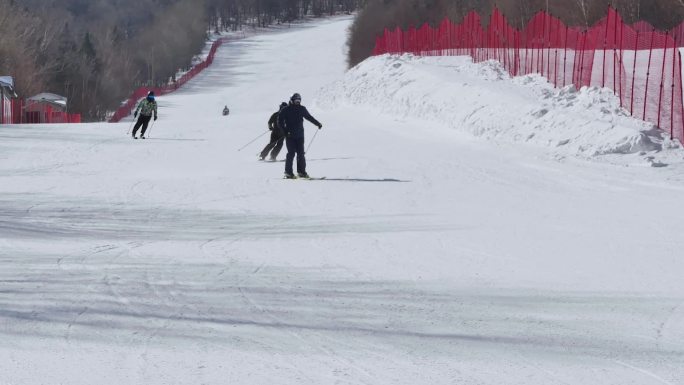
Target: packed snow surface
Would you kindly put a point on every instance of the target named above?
(472, 229)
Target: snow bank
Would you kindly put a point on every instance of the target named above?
(482, 99)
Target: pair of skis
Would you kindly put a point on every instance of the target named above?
(305, 178)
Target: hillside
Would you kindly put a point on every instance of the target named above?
(96, 52)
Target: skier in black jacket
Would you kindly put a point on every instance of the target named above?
(291, 120)
(277, 136)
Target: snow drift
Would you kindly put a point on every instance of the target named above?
(482, 99)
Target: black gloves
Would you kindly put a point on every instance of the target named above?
(155, 117)
(320, 126)
(135, 114)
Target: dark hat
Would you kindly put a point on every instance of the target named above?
(151, 93)
(296, 96)
(282, 105)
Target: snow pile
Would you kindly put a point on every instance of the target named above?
(481, 98)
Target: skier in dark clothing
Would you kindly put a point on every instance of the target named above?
(146, 107)
(291, 120)
(277, 136)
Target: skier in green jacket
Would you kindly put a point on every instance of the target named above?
(146, 107)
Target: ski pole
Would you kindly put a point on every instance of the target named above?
(130, 127)
(312, 139)
(150, 130)
(253, 140)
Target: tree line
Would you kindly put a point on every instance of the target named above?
(380, 14)
(95, 52)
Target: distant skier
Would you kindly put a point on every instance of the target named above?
(291, 120)
(277, 136)
(146, 107)
(226, 111)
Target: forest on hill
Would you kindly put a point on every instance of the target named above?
(95, 52)
(380, 14)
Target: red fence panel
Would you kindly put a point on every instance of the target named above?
(642, 66)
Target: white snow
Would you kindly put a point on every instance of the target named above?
(483, 100)
(446, 245)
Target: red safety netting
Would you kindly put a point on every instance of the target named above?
(641, 65)
(5, 110)
(130, 103)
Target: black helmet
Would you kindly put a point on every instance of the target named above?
(282, 105)
(151, 93)
(296, 96)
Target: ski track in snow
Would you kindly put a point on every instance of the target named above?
(471, 229)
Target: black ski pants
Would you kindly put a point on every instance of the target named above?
(143, 121)
(295, 146)
(275, 145)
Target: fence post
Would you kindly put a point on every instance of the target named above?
(575, 58)
(504, 35)
(490, 53)
(463, 37)
(555, 50)
(520, 61)
(549, 39)
(544, 44)
(636, 49)
(534, 37)
(622, 54)
(540, 49)
(527, 51)
(674, 59)
(648, 73)
(581, 69)
(553, 33)
(542, 38)
(615, 43)
(565, 55)
(504, 25)
(514, 65)
(681, 94)
(471, 37)
(605, 38)
(662, 79)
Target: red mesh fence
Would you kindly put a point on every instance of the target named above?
(641, 65)
(5, 110)
(127, 107)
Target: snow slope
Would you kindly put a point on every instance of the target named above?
(427, 256)
(483, 100)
